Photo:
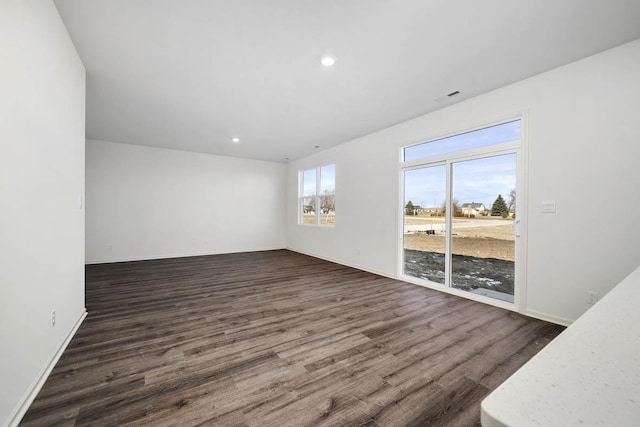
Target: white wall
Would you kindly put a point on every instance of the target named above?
(42, 102)
(146, 203)
(584, 145)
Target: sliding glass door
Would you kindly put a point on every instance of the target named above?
(483, 237)
(460, 216)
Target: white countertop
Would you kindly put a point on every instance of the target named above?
(588, 376)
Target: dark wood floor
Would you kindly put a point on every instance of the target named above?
(278, 339)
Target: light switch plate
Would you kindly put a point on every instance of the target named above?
(548, 206)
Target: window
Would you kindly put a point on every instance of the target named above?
(497, 134)
(317, 204)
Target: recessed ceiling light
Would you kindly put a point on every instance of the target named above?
(328, 61)
(236, 140)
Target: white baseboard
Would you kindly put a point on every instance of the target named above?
(548, 317)
(337, 261)
(182, 255)
(36, 386)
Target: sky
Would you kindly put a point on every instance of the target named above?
(327, 180)
(504, 132)
(478, 180)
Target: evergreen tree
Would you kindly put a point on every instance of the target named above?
(499, 207)
(409, 208)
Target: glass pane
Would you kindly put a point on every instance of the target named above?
(308, 210)
(505, 132)
(328, 179)
(483, 239)
(309, 182)
(328, 210)
(424, 223)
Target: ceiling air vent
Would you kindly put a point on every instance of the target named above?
(448, 96)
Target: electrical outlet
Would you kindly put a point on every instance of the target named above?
(53, 318)
(592, 297)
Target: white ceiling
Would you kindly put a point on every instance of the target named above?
(192, 74)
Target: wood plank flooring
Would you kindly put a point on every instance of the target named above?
(278, 338)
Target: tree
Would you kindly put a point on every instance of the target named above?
(499, 207)
(457, 210)
(512, 200)
(327, 202)
(409, 208)
(310, 206)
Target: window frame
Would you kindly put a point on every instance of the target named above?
(317, 196)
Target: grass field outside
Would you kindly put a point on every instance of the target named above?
(325, 219)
